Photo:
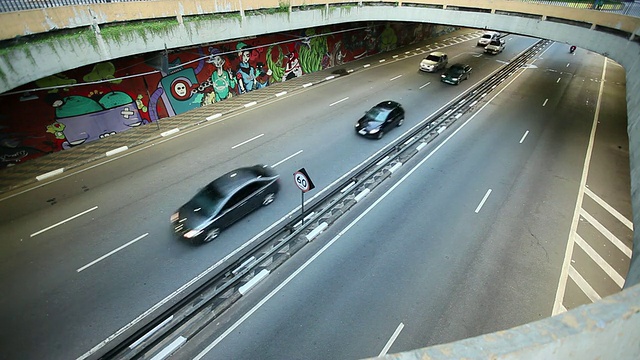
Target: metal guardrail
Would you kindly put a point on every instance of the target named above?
(19, 5)
(625, 7)
(188, 317)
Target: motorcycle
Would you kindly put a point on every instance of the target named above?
(572, 49)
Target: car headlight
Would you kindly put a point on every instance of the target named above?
(192, 233)
(443, 76)
(373, 131)
(357, 124)
(174, 217)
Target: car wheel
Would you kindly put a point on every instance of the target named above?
(380, 134)
(400, 122)
(211, 234)
(268, 199)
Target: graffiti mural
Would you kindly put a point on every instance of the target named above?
(99, 100)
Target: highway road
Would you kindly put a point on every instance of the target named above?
(468, 240)
(85, 256)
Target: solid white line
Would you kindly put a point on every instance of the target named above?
(246, 141)
(562, 281)
(339, 101)
(393, 78)
(63, 221)
(583, 285)
(604, 231)
(524, 136)
(486, 196)
(545, 102)
(604, 265)
(427, 84)
(285, 159)
(609, 208)
(391, 340)
(112, 252)
(342, 232)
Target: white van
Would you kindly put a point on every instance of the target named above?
(487, 37)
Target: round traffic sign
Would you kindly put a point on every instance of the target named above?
(302, 182)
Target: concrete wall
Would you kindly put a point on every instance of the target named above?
(607, 329)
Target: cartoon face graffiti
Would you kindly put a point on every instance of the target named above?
(179, 89)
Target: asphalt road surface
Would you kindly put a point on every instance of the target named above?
(89, 254)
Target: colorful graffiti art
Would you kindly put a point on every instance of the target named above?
(100, 100)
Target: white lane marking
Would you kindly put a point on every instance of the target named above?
(306, 85)
(112, 252)
(391, 340)
(247, 141)
(583, 284)
(281, 93)
(427, 84)
(609, 208)
(393, 78)
(562, 282)
(524, 136)
(287, 158)
(568, 64)
(250, 104)
(339, 101)
(169, 132)
(545, 102)
(116, 150)
(486, 196)
(50, 174)
(557, 81)
(341, 233)
(151, 332)
(331, 77)
(214, 116)
(604, 231)
(381, 60)
(394, 56)
(366, 65)
(63, 221)
(604, 265)
(170, 349)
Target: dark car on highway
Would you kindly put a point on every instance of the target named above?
(456, 73)
(224, 201)
(380, 119)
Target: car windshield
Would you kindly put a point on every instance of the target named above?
(456, 70)
(206, 201)
(487, 36)
(432, 58)
(495, 43)
(377, 114)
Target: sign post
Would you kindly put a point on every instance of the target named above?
(304, 183)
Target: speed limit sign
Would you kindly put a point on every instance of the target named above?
(303, 181)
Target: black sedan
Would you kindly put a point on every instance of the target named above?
(224, 201)
(380, 119)
(456, 73)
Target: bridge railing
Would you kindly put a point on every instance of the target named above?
(626, 7)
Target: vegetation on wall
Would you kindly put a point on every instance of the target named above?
(129, 30)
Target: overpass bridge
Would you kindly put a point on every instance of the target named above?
(52, 40)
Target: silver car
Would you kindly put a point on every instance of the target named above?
(434, 62)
